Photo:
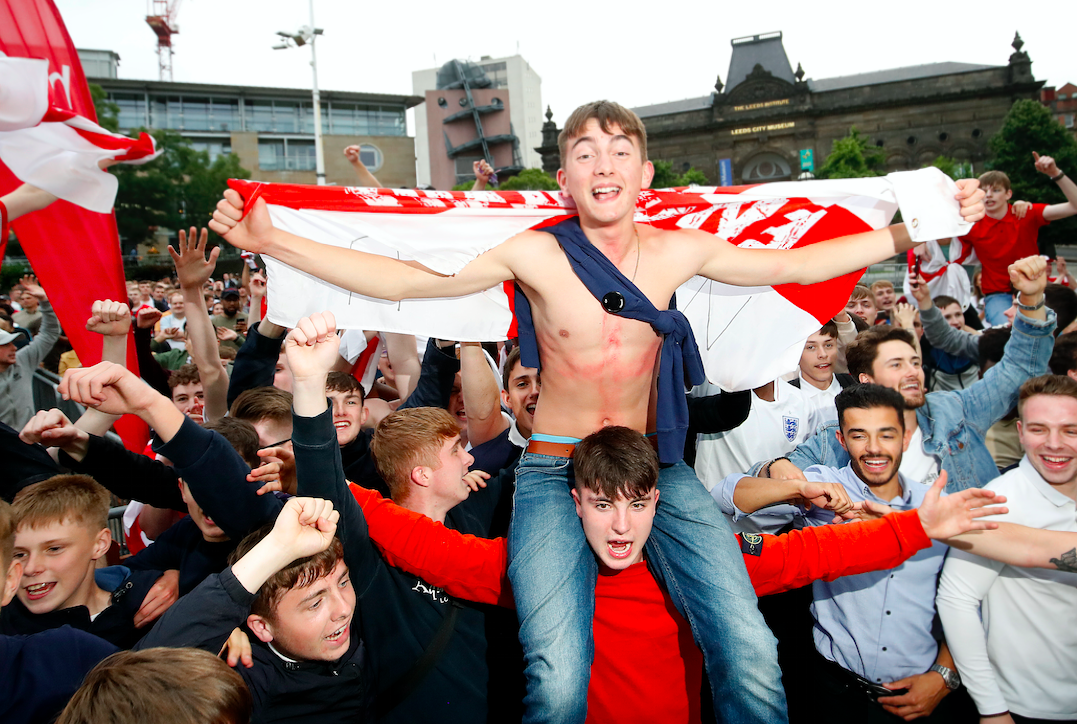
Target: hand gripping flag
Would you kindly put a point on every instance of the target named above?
(747, 336)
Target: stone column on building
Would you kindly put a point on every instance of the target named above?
(551, 156)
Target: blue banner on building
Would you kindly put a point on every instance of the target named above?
(725, 171)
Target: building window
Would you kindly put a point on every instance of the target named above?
(286, 155)
(215, 147)
(371, 157)
(132, 110)
(1067, 121)
(359, 119)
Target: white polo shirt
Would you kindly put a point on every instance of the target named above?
(1023, 656)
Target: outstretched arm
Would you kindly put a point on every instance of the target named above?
(194, 269)
(1021, 546)
(369, 274)
(727, 263)
(25, 199)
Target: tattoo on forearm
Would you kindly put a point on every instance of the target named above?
(1068, 561)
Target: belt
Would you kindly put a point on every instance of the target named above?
(566, 449)
(553, 449)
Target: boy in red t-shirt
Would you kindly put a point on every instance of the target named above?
(1001, 238)
(646, 666)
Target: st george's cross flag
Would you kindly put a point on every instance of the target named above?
(748, 336)
(54, 148)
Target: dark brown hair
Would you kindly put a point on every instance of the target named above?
(942, 301)
(263, 403)
(344, 382)
(511, 361)
(297, 574)
(242, 436)
(862, 352)
(995, 178)
(616, 461)
(185, 375)
(160, 685)
(608, 114)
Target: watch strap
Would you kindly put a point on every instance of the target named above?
(1033, 307)
(953, 681)
(1061, 175)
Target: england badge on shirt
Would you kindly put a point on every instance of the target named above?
(791, 425)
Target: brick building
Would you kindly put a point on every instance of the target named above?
(768, 122)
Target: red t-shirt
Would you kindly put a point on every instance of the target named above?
(647, 667)
(1000, 242)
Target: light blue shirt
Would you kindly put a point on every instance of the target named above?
(878, 625)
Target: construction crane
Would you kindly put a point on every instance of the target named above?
(162, 21)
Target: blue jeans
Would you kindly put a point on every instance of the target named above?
(692, 551)
(995, 306)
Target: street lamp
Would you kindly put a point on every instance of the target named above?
(308, 34)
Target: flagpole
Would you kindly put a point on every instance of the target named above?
(318, 147)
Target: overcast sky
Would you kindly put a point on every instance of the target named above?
(634, 53)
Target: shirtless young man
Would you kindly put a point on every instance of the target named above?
(600, 369)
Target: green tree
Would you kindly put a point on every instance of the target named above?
(108, 113)
(530, 179)
(1029, 127)
(178, 189)
(851, 157)
(666, 178)
(952, 167)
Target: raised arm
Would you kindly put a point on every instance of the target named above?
(352, 153)
(482, 395)
(193, 270)
(1047, 166)
(369, 274)
(211, 467)
(1026, 354)
(32, 354)
(404, 357)
(312, 349)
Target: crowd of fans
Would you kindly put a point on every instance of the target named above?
(317, 529)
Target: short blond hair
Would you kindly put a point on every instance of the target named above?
(882, 283)
(407, 439)
(608, 114)
(61, 498)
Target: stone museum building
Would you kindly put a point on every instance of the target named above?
(767, 122)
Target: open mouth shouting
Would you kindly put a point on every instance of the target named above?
(619, 549)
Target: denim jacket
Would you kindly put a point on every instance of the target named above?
(954, 423)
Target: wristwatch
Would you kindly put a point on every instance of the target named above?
(1031, 307)
(1061, 175)
(953, 681)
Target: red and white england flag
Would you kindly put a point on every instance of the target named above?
(747, 336)
(55, 149)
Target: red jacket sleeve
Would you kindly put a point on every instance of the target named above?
(831, 551)
(471, 568)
